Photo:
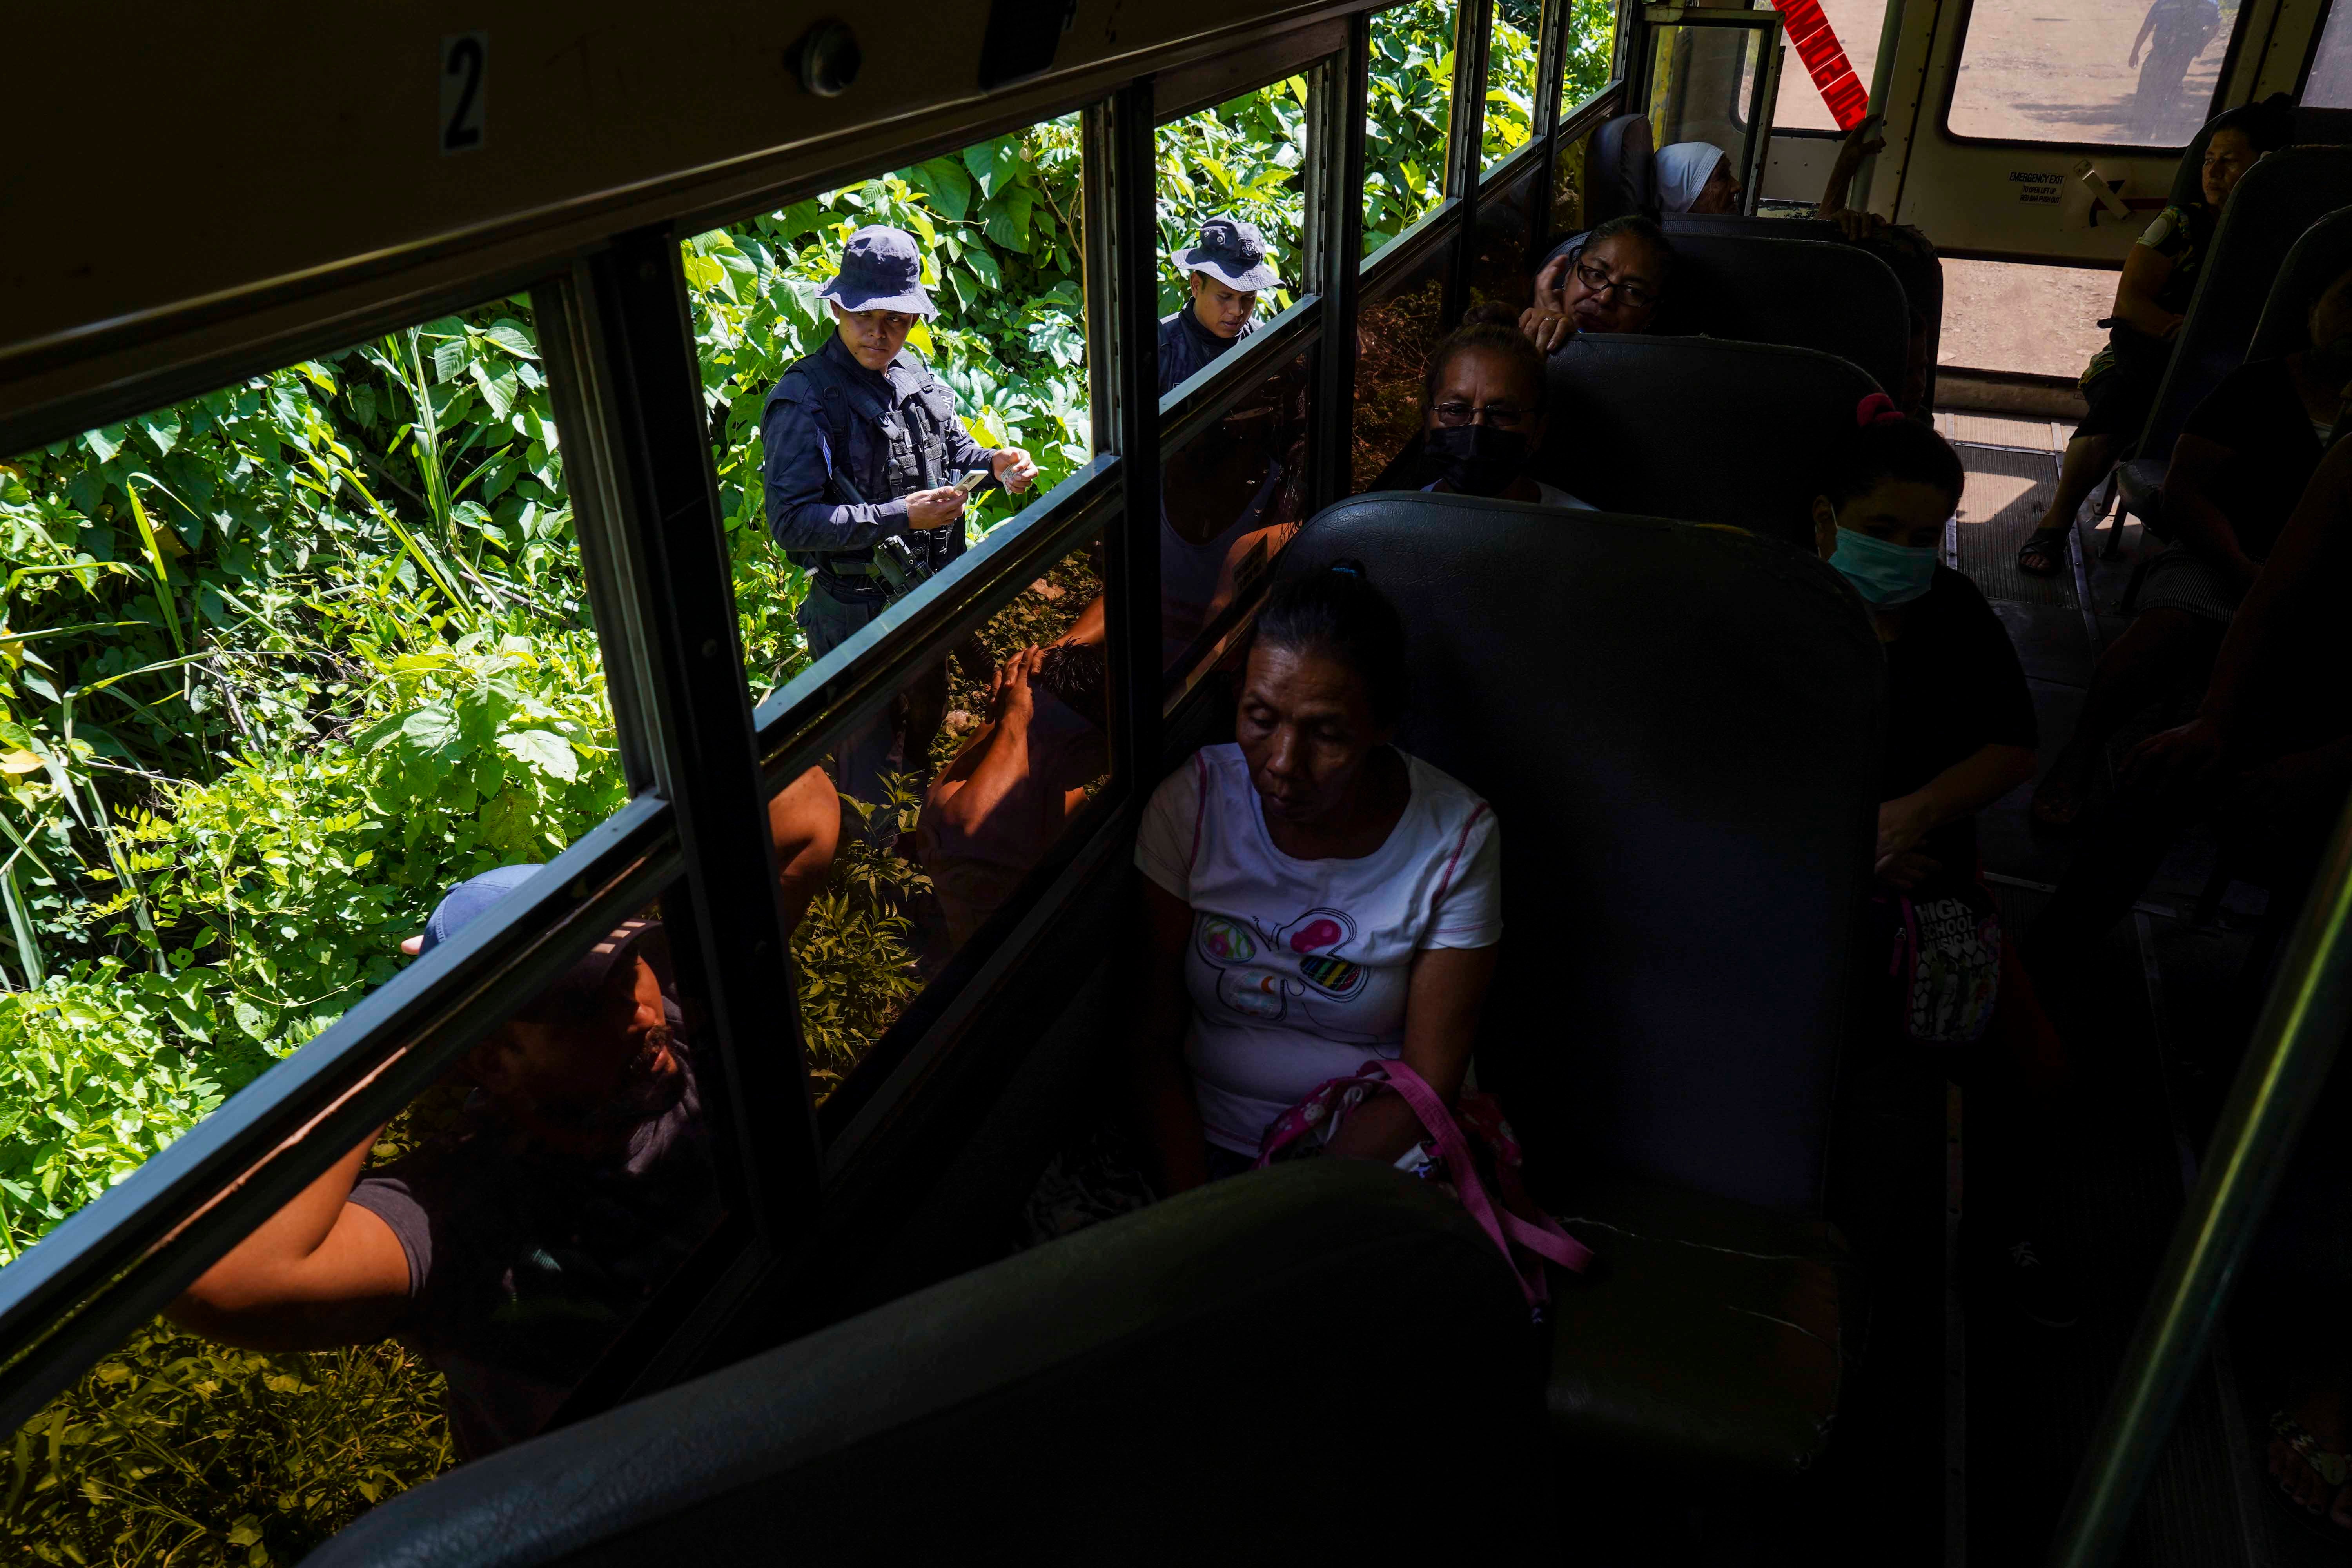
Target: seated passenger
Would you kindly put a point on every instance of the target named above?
(1698, 177)
(2121, 382)
(1226, 272)
(995, 810)
(1483, 411)
(1609, 281)
(1313, 899)
(2237, 470)
(511, 1249)
(1907, 253)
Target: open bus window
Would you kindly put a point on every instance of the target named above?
(1501, 267)
(1230, 498)
(287, 659)
(1243, 163)
(890, 868)
(1511, 50)
(1409, 106)
(1703, 82)
(2131, 73)
(2330, 85)
(1799, 106)
(1395, 334)
(988, 240)
(437, 1294)
(1591, 51)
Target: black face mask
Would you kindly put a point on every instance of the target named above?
(1477, 459)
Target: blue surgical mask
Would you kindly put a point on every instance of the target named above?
(1885, 574)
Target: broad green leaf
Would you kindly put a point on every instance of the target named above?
(509, 335)
(543, 749)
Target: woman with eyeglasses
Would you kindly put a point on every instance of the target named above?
(1609, 281)
(1483, 414)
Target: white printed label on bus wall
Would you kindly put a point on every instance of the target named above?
(465, 91)
(2036, 189)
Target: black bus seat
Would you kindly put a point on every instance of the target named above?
(2280, 197)
(1697, 429)
(1620, 173)
(1758, 288)
(1231, 1365)
(1917, 267)
(1678, 727)
(2316, 259)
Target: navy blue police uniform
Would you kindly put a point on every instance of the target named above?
(844, 445)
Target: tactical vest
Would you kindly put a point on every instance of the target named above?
(905, 446)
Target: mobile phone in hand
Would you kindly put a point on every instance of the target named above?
(970, 484)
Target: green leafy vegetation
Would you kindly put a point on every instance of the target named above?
(282, 662)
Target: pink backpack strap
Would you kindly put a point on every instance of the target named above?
(1546, 1240)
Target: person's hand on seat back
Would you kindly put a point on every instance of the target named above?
(1547, 329)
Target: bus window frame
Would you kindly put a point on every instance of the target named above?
(611, 301)
(1950, 88)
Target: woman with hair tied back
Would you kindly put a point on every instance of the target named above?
(1314, 899)
(1484, 411)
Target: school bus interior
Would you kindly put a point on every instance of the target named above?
(840, 1330)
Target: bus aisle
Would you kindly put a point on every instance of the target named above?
(2142, 1029)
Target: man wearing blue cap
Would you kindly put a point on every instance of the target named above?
(863, 452)
(1226, 272)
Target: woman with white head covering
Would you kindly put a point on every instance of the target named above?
(1696, 177)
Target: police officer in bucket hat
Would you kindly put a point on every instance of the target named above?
(1226, 272)
(863, 452)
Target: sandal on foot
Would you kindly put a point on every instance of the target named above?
(2332, 1469)
(2043, 553)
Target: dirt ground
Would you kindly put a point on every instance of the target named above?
(2000, 315)
(2060, 71)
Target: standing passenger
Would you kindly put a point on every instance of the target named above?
(862, 451)
(1226, 272)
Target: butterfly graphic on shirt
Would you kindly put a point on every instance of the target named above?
(1316, 970)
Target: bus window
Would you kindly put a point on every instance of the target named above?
(890, 873)
(2110, 72)
(285, 660)
(1230, 498)
(1799, 106)
(1591, 51)
(436, 1294)
(1242, 162)
(2330, 85)
(988, 240)
(1408, 105)
(1394, 332)
(1510, 78)
(1500, 268)
(1702, 85)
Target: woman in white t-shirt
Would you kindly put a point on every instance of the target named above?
(1483, 411)
(1313, 899)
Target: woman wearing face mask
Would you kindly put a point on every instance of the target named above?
(1959, 735)
(1483, 412)
(2237, 471)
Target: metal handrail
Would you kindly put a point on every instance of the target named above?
(2286, 1063)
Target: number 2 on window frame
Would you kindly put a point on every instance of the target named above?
(464, 64)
